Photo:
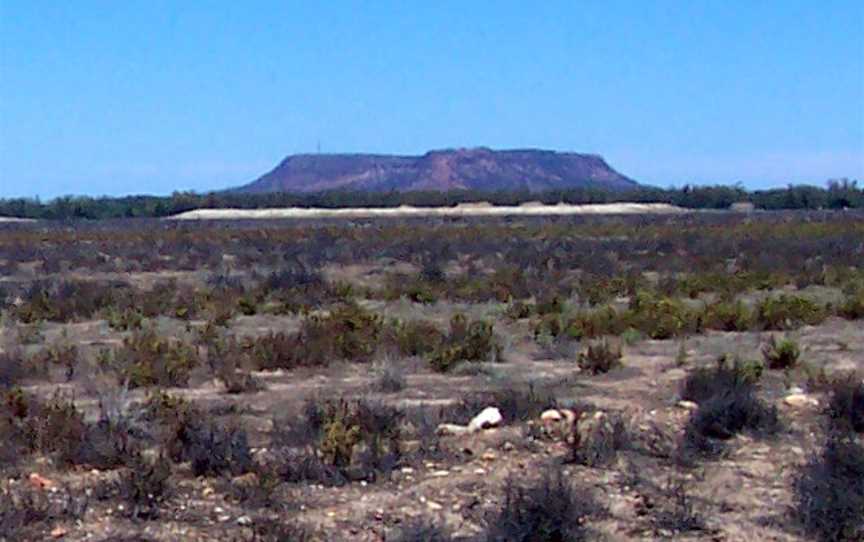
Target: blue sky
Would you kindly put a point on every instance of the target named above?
(153, 96)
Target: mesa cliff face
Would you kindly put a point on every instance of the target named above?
(463, 169)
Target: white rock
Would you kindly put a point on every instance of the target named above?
(687, 405)
(800, 400)
(551, 416)
(488, 417)
(445, 429)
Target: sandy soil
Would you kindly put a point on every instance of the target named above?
(472, 209)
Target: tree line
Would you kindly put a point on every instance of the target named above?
(837, 194)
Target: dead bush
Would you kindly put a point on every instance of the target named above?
(597, 439)
(677, 514)
(420, 531)
(210, 447)
(600, 356)
(728, 404)
(390, 378)
(846, 403)
(145, 486)
(548, 510)
(829, 491)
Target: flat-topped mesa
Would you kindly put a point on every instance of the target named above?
(479, 169)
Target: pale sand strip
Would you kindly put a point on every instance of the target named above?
(469, 209)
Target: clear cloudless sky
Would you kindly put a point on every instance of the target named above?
(154, 96)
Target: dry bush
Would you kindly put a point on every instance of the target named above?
(390, 378)
(829, 491)
(416, 337)
(343, 440)
(600, 356)
(548, 510)
(145, 486)
(146, 359)
(728, 404)
(846, 403)
(210, 447)
(677, 513)
(420, 531)
(728, 316)
(598, 438)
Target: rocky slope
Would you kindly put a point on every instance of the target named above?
(468, 169)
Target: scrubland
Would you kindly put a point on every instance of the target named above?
(695, 376)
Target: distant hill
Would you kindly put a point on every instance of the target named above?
(479, 169)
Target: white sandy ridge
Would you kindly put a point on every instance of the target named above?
(464, 209)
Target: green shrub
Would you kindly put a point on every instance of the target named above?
(788, 312)
(728, 316)
(852, 307)
(549, 325)
(146, 359)
(124, 319)
(782, 354)
(417, 337)
(348, 332)
(596, 323)
(358, 437)
(661, 317)
(474, 341)
(518, 309)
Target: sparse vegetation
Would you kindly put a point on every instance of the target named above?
(391, 328)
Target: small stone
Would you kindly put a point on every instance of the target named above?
(508, 446)
(58, 532)
(687, 405)
(244, 520)
(407, 470)
(208, 491)
(440, 473)
(479, 471)
(451, 429)
(551, 415)
(800, 400)
(489, 456)
(223, 518)
(434, 506)
(40, 482)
